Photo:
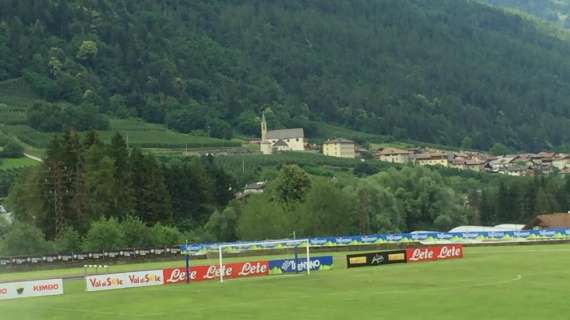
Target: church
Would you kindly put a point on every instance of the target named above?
(281, 140)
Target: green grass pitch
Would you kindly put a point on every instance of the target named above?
(519, 282)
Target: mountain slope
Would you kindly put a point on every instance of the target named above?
(554, 11)
(441, 71)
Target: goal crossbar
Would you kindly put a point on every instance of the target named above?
(261, 243)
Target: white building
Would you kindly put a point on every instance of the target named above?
(340, 148)
(394, 155)
(281, 140)
(561, 162)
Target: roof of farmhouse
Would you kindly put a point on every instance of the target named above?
(339, 141)
(393, 151)
(286, 134)
(556, 220)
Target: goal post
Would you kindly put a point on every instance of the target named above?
(288, 244)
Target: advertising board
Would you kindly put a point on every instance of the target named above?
(290, 265)
(26, 289)
(230, 270)
(375, 258)
(124, 280)
(433, 253)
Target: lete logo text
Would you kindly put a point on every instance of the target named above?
(434, 253)
(230, 271)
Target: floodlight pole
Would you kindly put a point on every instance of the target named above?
(221, 265)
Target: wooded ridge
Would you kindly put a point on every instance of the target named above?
(434, 71)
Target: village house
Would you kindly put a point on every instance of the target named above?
(340, 148)
(458, 163)
(474, 165)
(252, 188)
(501, 164)
(524, 164)
(561, 162)
(393, 155)
(281, 140)
(432, 159)
(547, 221)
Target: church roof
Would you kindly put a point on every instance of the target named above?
(286, 134)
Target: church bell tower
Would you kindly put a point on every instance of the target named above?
(263, 128)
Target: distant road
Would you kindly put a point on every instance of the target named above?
(33, 157)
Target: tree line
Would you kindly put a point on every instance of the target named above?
(195, 200)
(84, 181)
(393, 200)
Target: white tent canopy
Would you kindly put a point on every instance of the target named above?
(497, 228)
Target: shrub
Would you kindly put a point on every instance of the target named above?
(69, 241)
(165, 236)
(12, 150)
(222, 224)
(104, 235)
(136, 234)
(24, 239)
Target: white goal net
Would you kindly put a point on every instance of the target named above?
(295, 251)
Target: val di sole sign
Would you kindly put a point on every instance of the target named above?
(27, 289)
(124, 280)
(375, 258)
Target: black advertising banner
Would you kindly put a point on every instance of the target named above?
(375, 258)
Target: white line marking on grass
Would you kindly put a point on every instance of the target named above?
(105, 313)
(514, 251)
(269, 277)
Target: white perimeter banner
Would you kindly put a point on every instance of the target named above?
(15, 290)
(124, 280)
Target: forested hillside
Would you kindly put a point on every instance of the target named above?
(442, 71)
(555, 11)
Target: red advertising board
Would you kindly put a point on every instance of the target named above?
(231, 271)
(433, 253)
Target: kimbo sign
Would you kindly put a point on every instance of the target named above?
(375, 258)
(28, 289)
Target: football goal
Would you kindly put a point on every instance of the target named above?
(300, 262)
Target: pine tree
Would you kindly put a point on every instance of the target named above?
(190, 189)
(567, 192)
(99, 183)
(152, 201)
(545, 202)
(124, 200)
(488, 209)
(66, 200)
